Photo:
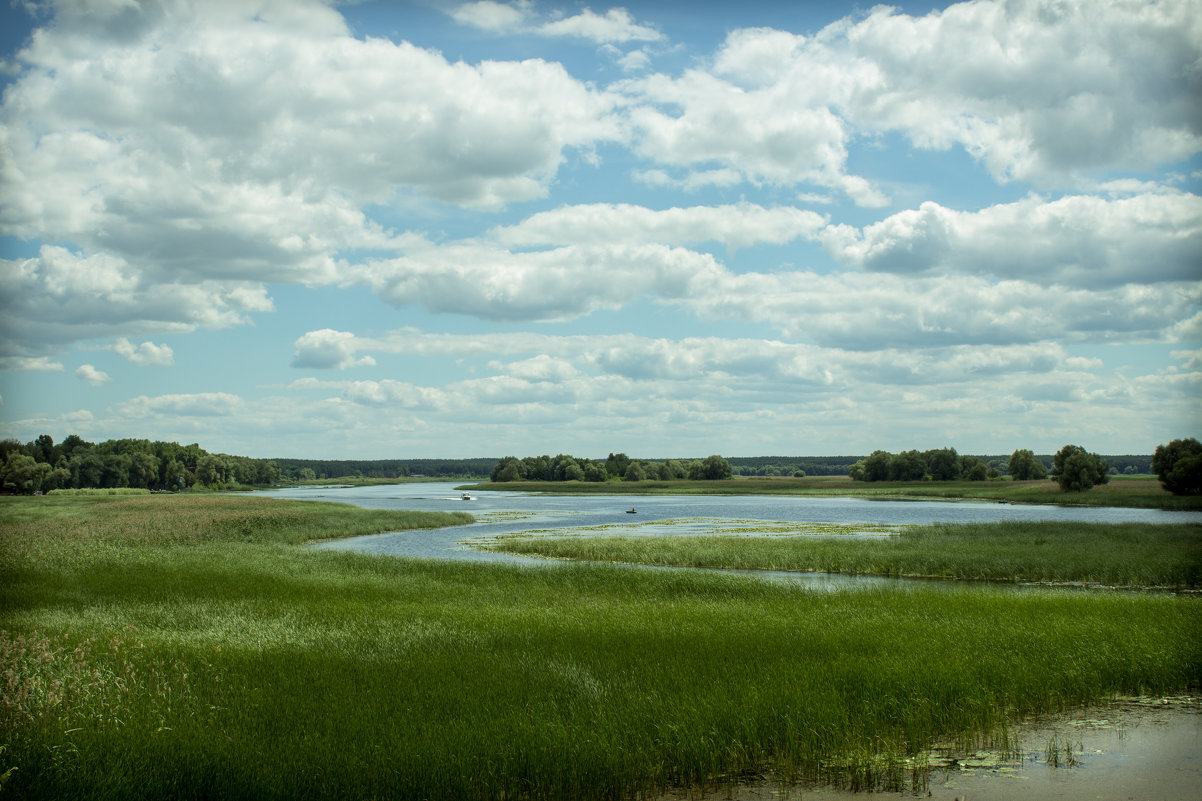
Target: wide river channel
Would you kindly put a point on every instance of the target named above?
(501, 513)
(1131, 749)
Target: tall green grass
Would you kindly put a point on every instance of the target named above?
(184, 651)
(1125, 554)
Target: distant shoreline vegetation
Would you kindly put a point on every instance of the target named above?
(74, 464)
(42, 466)
(944, 464)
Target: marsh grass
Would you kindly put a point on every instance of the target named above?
(158, 649)
(1125, 554)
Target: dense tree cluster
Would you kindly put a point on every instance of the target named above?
(617, 467)
(942, 464)
(1178, 465)
(42, 465)
(1025, 466)
(1077, 470)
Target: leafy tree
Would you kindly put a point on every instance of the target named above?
(172, 474)
(19, 473)
(715, 468)
(973, 469)
(86, 468)
(537, 468)
(143, 470)
(856, 471)
(616, 464)
(1077, 470)
(635, 472)
(675, 469)
(42, 449)
(1023, 466)
(876, 466)
(1178, 465)
(507, 468)
(595, 471)
(115, 470)
(907, 466)
(943, 464)
(74, 444)
(1186, 476)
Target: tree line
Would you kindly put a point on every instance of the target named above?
(1073, 467)
(1177, 464)
(940, 464)
(43, 465)
(322, 469)
(617, 467)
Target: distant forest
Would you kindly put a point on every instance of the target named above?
(321, 469)
(43, 465)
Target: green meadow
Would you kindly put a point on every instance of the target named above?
(183, 647)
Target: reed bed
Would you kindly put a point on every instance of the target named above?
(192, 650)
(1124, 554)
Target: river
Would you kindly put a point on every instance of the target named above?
(507, 512)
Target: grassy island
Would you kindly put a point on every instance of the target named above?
(1132, 555)
(162, 647)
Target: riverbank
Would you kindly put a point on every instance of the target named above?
(169, 647)
(1140, 492)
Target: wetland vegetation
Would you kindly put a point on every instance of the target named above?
(1125, 555)
(167, 646)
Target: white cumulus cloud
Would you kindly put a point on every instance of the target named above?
(96, 378)
(328, 349)
(145, 354)
(1078, 240)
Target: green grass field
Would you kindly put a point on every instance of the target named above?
(168, 647)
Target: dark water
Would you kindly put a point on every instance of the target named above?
(500, 513)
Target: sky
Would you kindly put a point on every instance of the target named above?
(384, 230)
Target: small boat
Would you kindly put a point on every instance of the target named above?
(466, 497)
(631, 512)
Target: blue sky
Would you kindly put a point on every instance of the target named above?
(427, 229)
